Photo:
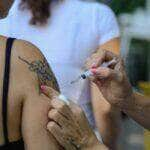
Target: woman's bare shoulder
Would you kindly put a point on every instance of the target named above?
(34, 65)
(28, 49)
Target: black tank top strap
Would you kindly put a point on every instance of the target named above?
(9, 45)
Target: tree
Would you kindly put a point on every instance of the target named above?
(121, 6)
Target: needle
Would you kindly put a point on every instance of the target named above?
(72, 82)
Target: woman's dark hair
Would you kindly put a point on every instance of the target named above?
(40, 10)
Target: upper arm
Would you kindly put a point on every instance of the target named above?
(113, 45)
(34, 71)
(97, 98)
(34, 123)
(34, 66)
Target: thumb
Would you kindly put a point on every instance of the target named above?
(49, 92)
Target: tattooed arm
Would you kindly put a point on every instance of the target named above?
(43, 72)
(33, 72)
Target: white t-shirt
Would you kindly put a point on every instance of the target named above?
(74, 31)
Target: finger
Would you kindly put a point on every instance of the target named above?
(56, 116)
(95, 60)
(91, 62)
(56, 131)
(104, 56)
(103, 73)
(108, 55)
(99, 58)
(48, 91)
(79, 115)
(60, 136)
(62, 107)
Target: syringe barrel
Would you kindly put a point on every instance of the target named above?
(86, 74)
(89, 72)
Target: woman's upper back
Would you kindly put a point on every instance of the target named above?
(25, 65)
(13, 103)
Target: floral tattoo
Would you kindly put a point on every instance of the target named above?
(43, 72)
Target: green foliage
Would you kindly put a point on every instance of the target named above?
(121, 6)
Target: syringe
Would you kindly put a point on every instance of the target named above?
(89, 73)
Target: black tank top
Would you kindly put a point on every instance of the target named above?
(17, 145)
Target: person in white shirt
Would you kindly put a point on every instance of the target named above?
(68, 32)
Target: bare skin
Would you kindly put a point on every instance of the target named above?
(68, 124)
(27, 108)
(108, 118)
(104, 117)
(117, 90)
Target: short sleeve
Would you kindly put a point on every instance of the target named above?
(6, 24)
(5, 27)
(107, 24)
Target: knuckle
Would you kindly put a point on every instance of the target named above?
(53, 101)
(52, 113)
(62, 106)
(55, 112)
(50, 126)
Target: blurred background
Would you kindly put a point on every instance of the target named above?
(134, 20)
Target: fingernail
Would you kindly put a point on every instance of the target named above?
(94, 71)
(93, 65)
(43, 88)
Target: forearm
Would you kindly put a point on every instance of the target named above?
(109, 126)
(138, 109)
(107, 118)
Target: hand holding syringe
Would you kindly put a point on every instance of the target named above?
(89, 72)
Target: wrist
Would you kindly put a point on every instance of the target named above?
(124, 101)
(128, 103)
